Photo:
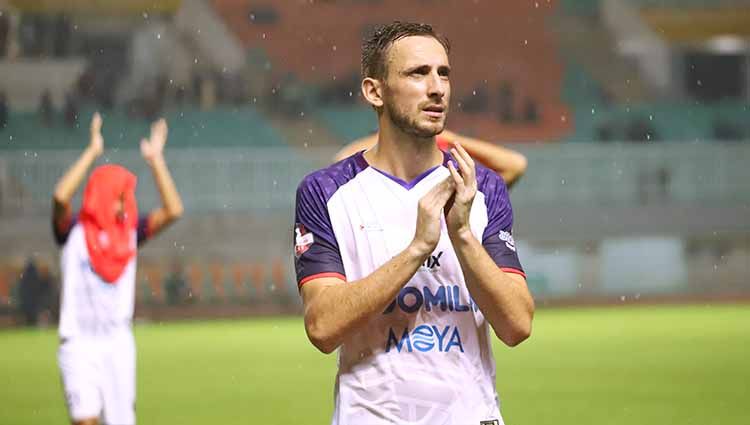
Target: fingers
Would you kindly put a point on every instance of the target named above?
(464, 155)
(442, 190)
(144, 145)
(159, 130)
(456, 176)
(438, 195)
(441, 193)
(96, 123)
(464, 161)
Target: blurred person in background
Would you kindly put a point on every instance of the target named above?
(70, 110)
(4, 32)
(509, 164)
(97, 350)
(175, 287)
(29, 290)
(404, 254)
(3, 111)
(46, 109)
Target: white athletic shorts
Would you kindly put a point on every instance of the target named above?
(98, 376)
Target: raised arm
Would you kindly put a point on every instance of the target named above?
(509, 164)
(358, 145)
(70, 181)
(503, 297)
(334, 310)
(152, 150)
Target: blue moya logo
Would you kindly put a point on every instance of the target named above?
(425, 338)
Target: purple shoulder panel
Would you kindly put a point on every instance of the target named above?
(497, 238)
(316, 247)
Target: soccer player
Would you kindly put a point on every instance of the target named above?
(405, 256)
(97, 350)
(511, 165)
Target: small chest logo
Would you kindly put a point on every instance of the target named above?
(490, 422)
(302, 239)
(432, 263)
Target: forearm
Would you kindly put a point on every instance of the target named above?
(509, 164)
(356, 146)
(505, 303)
(69, 182)
(170, 198)
(341, 309)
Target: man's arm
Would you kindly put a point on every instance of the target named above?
(509, 164)
(152, 150)
(70, 181)
(503, 298)
(335, 309)
(358, 145)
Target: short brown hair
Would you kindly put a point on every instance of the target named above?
(375, 45)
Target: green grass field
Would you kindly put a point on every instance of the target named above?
(627, 365)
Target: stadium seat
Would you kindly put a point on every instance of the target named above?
(189, 127)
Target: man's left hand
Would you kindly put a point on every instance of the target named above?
(465, 178)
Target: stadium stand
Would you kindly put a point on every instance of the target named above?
(326, 48)
(189, 127)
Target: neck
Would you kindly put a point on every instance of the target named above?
(403, 155)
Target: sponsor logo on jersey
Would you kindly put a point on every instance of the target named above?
(444, 297)
(508, 239)
(432, 263)
(371, 227)
(425, 338)
(302, 239)
(490, 422)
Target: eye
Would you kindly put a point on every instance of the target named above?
(419, 71)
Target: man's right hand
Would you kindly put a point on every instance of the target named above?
(429, 215)
(96, 141)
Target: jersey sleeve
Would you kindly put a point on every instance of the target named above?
(316, 250)
(143, 231)
(61, 227)
(497, 238)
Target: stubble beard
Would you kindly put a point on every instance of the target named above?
(411, 126)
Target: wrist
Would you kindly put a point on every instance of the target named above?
(155, 160)
(92, 152)
(461, 235)
(419, 249)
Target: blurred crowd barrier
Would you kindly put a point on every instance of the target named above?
(265, 179)
(611, 222)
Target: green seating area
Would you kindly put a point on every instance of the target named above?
(580, 7)
(590, 8)
(674, 121)
(189, 127)
(348, 122)
(693, 4)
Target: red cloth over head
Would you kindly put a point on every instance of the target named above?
(109, 234)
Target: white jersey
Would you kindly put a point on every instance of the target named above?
(91, 307)
(427, 359)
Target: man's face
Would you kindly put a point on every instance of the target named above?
(416, 90)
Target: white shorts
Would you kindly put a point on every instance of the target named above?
(98, 378)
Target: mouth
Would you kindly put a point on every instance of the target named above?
(436, 111)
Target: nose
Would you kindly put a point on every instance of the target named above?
(436, 86)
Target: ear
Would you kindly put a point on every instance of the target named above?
(372, 91)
